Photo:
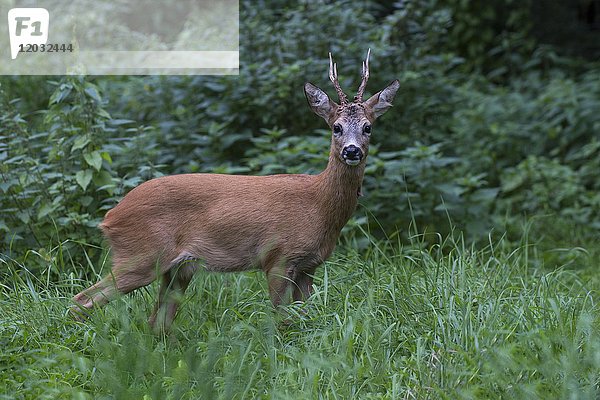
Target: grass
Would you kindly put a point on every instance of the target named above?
(390, 322)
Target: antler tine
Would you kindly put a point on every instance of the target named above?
(365, 78)
(334, 79)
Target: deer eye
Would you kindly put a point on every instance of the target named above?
(337, 129)
(367, 129)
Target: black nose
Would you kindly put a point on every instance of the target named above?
(352, 153)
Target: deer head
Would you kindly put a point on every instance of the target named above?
(351, 122)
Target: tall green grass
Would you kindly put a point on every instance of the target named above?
(390, 322)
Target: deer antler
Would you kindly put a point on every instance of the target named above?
(365, 78)
(334, 79)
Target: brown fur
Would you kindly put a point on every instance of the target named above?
(286, 225)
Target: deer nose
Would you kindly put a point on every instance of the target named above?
(352, 154)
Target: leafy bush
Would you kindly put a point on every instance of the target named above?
(459, 149)
(59, 180)
(540, 185)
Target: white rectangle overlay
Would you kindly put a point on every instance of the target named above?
(136, 37)
(145, 62)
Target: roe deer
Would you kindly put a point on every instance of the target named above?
(287, 225)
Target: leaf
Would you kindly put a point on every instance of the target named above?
(229, 140)
(92, 92)
(450, 189)
(118, 122)
(45, 209)
(485, 195)
(106, 156)
(512, 182)
(84, 178)
(103, 113)
(214, 86)
(103, 180)
(94, 159)
(60, 94)
(80, 143)
(23, 216)
(4, 186)
(86, 200)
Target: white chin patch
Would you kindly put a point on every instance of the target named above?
(352, 162)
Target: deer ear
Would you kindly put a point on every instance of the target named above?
(319, 101)
(381, 101)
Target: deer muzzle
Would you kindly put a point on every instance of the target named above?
(352, 155)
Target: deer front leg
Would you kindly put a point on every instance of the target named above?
(303, 286)
(279, 282)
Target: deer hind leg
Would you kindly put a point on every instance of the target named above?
(98, 294)
(127, 275)
(174, 283)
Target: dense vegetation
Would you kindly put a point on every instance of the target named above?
(493, 138)
(387, 323)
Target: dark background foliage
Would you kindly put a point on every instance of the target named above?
(496, 121)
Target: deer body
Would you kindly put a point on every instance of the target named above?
(286, 225)
(232, 222)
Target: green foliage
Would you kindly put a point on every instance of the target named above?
(477, 324)
(458, 149)
(49, 176)
(489, 127)
(59, 180)
(539, 184)
(537, 143)
(491, 35)
(570, 26)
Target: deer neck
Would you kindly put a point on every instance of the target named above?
(339, 186)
